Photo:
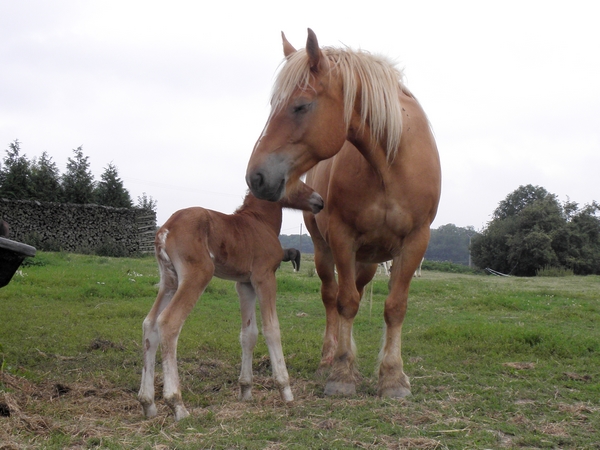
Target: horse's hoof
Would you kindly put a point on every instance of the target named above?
(340, 388)
(395, 392)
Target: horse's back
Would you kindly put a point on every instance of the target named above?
(234, 244)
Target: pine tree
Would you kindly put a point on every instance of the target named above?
(78, 181)
(45, 180)
(15, 175)
(146, 202)
(110, 190)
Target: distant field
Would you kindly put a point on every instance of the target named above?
(493, 362)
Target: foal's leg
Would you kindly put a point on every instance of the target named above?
(248, 336)
(194, 279)
(393, 382)
(150, 341)
(265, 286)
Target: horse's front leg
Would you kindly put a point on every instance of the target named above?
(325, 268)
(248, 337)
(393, 382)
(344, 375)
(266, 288)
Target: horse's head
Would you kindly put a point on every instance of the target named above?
(306, 124)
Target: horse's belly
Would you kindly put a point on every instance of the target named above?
(373, 254)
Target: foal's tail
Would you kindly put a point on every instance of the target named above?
(168, 274)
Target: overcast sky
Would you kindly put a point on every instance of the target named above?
(176, 93)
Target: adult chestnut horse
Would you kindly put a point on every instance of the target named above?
(381, 188)
(196, 244)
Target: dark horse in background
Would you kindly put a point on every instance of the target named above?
(293, 255)
(347, 119)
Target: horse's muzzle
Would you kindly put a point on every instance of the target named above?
(263, 188)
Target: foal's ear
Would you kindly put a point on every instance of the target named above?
(313, 51)
(288, 49)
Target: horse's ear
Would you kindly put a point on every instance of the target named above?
(313, 50)
(288, 49)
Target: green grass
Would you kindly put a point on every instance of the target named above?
(494, 362)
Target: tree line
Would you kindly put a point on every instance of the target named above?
(531, 231)
(300, 242)
(40, 179)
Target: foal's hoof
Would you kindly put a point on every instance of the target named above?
(340, 388)
(149, 410)
(395, 392)
(181, 413)
(286, 394)
(245, 393)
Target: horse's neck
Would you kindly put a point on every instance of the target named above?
(373, 153)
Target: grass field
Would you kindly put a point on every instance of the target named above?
(493, 362)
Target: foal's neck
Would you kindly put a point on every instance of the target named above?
(269, 213)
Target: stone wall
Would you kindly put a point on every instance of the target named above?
(80, 228)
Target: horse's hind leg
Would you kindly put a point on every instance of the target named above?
(150, 340)
(248, 336)
(194, 277)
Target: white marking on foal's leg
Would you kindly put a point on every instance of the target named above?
(280, 373)
(146, 393)
(248, 337)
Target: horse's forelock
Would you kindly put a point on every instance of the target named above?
(380, 83)
(294, 74)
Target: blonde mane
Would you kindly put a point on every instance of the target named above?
(379, 81)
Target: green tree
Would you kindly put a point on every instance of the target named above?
(518, 200)
(78, 181)
(146, 202)
(581, 246)
(303, 243)
(110, 190)
(45, 180)
(530, 230)
(15, 175)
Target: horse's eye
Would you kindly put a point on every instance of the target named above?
(301, 109)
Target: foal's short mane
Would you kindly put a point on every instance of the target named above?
(380, 85)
